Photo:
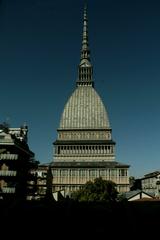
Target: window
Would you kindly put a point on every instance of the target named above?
(122, 172)
(82, 173)
(92, 173)
(102, 172)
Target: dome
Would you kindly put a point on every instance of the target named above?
(84, 110)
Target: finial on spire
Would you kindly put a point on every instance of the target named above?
(85, 46)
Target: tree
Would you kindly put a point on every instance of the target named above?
(135, 183)
(98, 191)
(5, 127)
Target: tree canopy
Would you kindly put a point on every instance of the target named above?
(98, 190)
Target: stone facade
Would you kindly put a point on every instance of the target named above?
(41, 181)
(151, 183)
(16, 162)
(70, 176)
(84, 149)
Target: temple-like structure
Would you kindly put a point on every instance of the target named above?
(84, 149)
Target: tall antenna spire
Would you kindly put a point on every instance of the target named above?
(85, 68)
(85, 53)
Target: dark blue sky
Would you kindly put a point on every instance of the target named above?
(40, 43)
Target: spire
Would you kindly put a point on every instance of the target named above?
(85, 46)
(85, 69)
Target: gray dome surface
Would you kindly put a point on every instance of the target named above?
(84, 110)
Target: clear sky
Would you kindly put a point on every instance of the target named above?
(40, 43)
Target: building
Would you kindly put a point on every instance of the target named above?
(84, 149)
(138, 194)
(151, 183)
(16, 162)
(41, 181)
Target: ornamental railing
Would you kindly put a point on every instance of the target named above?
(8, 173)
(8, 156)
(8, 189)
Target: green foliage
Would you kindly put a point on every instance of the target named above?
(5, 127)
(98, 191)
(121, 197)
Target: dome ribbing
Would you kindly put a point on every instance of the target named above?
(84, 110)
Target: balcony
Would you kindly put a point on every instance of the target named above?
(8, 156)
(8, 173)
(8, 189)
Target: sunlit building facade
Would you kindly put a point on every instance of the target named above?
(84, 149)
(16, 162)
(151, 183)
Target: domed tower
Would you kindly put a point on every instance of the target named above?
(84, 148)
